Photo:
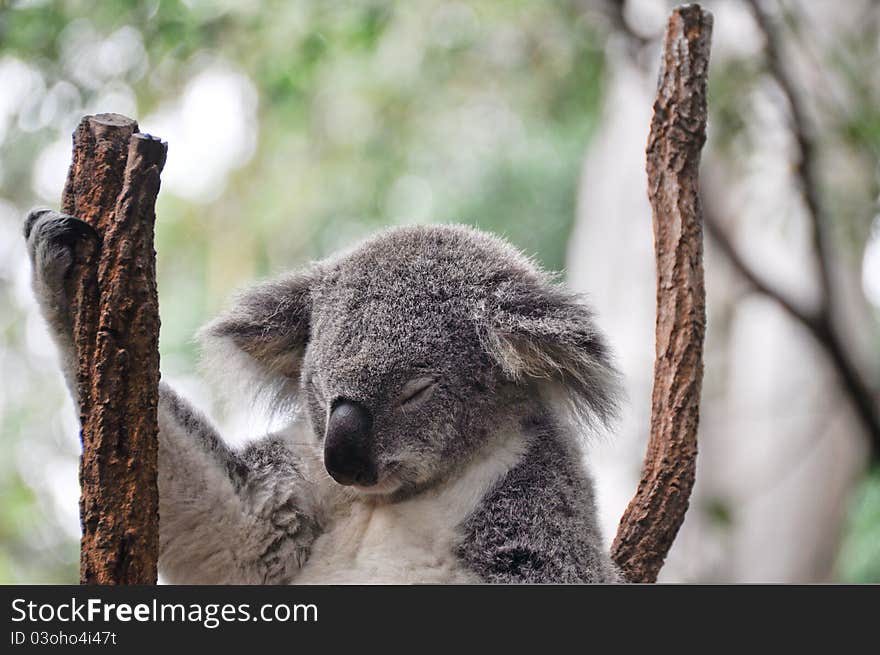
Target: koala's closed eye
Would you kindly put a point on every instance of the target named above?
(417, 389)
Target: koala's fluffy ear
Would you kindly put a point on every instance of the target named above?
(538, 331)
(261, 340)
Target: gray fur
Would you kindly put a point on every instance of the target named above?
(479, 373)
(53, 242)
(245, 517)
(539, 523)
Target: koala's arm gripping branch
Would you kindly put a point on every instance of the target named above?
(678, 131)
(112, 185)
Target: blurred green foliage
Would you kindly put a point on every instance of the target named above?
(859, 559)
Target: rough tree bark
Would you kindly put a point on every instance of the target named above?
(678, 132)
(112, 185)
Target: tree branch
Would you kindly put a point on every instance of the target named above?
(725, 244)
(805, 157)
(819, 325)
(112, 185)
(678, 132)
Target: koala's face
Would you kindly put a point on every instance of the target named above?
(396, 377)
(414, 349)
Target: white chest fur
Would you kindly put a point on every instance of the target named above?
(413, 541)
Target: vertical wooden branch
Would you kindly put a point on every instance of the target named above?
(678, 132)
(112, 185)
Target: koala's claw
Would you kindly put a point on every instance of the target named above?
(32, 217)
(45, 224)
(52, 239)
(71, 230)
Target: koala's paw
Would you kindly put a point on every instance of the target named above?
(54, 242)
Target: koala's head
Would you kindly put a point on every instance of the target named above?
(412, 350)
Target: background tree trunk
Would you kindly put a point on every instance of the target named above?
(112, 185)
(678, 132)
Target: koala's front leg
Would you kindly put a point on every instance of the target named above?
(55, 243)
(228, 517)
(224, 516)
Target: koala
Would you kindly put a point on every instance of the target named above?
(439, 385)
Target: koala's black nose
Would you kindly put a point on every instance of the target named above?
(348, 454)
